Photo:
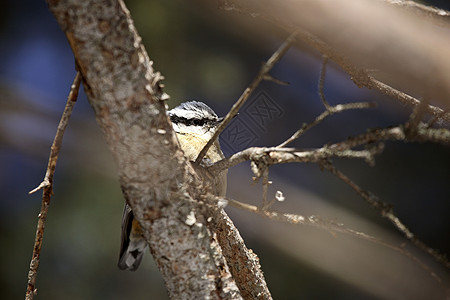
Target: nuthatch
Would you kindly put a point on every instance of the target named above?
(194, 124)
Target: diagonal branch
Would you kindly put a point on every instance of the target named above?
(388, 213)
(353, 53)
(322, 76)
(262, 75)
(330, 110)
(328, 225)
(404, 98)
(47, 186)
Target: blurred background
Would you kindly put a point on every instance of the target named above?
(209, 55)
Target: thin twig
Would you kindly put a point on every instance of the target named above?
(322, 76)
(388, 213)
(397, 133)
(266, 67)
(317, 222)
(436, 117)
(330, 111)
(265, 186)
(47, 186)
(404, 98)
(415, 118)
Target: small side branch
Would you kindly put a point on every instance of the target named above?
(331, 226)
(330, 110)
(262, 75)
(47, 186)
(262, 157)
(323, 71)
(281, 155)
(388, 213)
(404, 98)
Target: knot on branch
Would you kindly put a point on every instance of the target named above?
(157, 86)
(422, 132)
(260, 161)
(384, 207)
(360, 77)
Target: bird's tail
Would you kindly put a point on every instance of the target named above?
(133, 243)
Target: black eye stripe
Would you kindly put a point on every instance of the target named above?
(189, 122)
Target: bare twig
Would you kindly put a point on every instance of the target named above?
(322, 82)
(330, 111)
(328, 225)
(274, 155)
(386, 89)
(265, 186)
(265, 69)
(278, 198)
(415, 118)
(436, 117)
(264, 157)
(280, 155)
(388, 213)
(47, 186)
(423, 134)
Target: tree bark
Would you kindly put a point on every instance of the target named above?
(164, 191)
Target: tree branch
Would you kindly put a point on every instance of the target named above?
(358, 27)
(158, 183)
(330, 110)
(388, 213)
(268, 156)
(47, 186)
(328, 225)
(281, 155)
(262, 75)
(243, 263)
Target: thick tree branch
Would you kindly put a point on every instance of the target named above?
(158, 183)
(243, 263)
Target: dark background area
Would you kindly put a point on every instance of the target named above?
(206, 55)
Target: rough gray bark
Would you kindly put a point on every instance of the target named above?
(164, 191)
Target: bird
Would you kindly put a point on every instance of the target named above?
(194, 124)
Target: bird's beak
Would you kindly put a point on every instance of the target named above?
(221, 118)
